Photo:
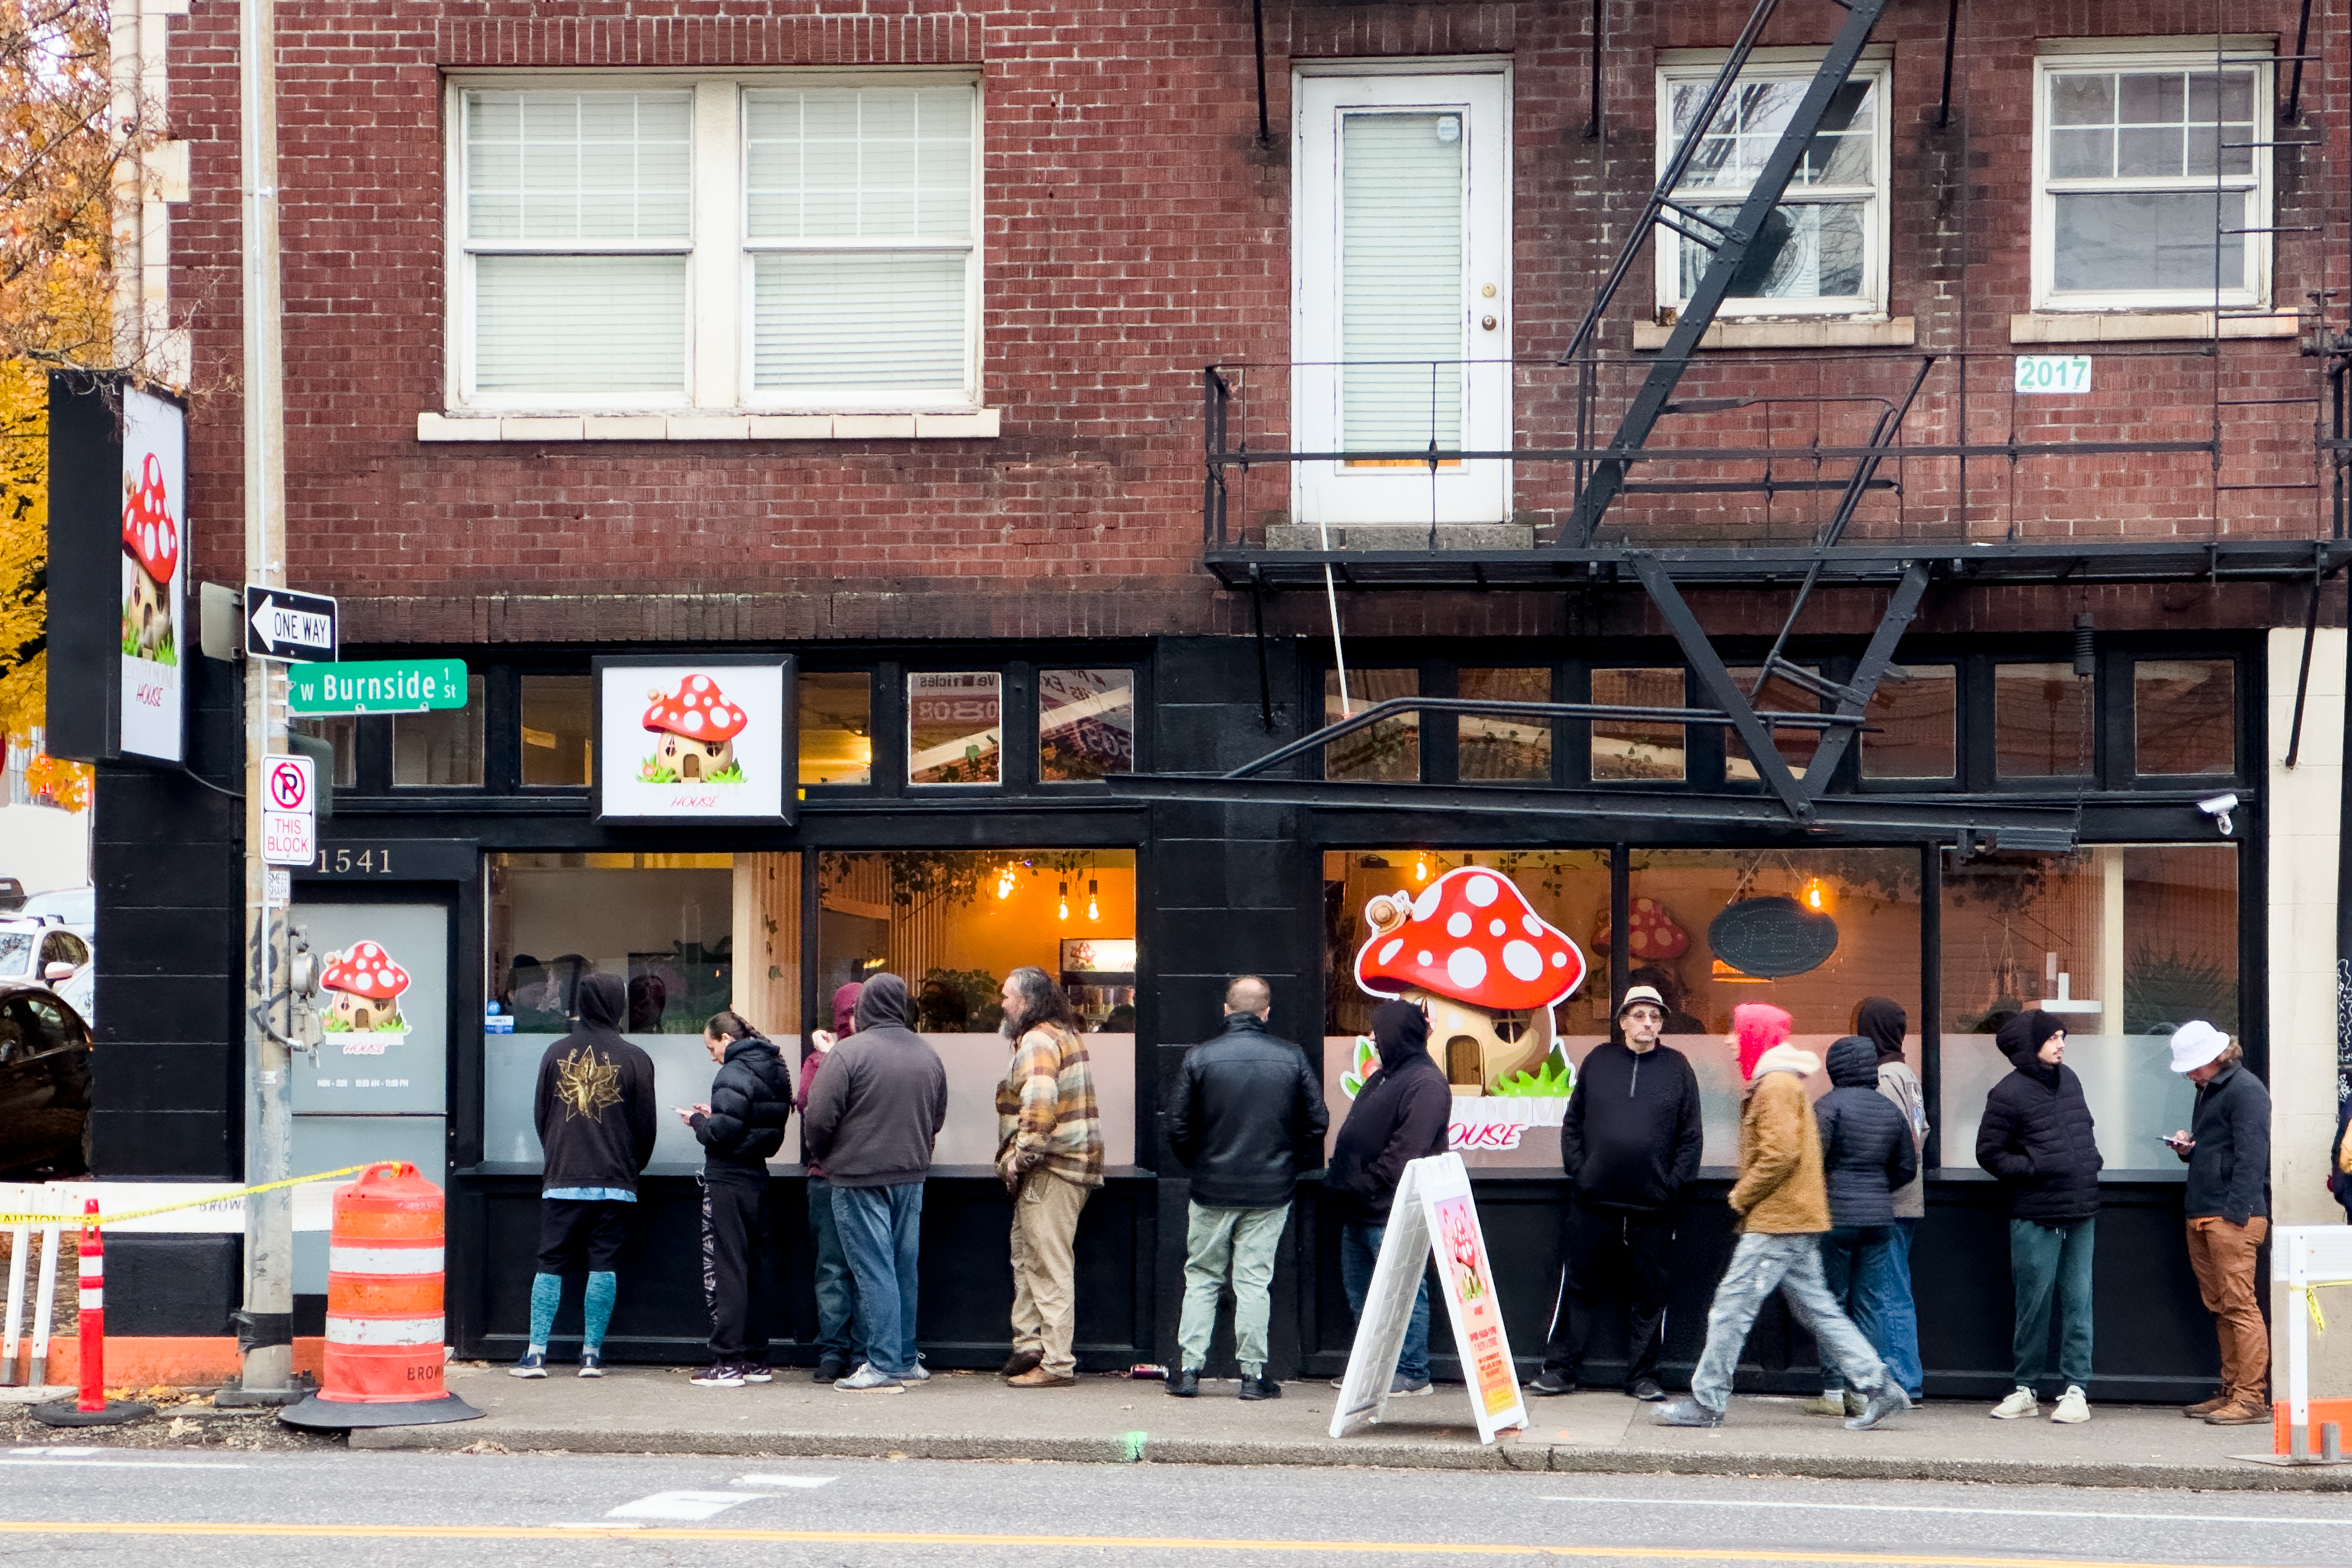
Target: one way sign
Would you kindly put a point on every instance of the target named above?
(293, 628)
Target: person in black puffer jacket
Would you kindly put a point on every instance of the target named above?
(1400, 1114)
(739, 1128)
(1867, 1153)
(2038, 1137)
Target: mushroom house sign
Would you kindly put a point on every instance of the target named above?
(363, 986)
(1488, 970)
(704, 742)
(154, 575)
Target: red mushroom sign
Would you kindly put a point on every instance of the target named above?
(154, 576)
(708, 741)
(366, 985)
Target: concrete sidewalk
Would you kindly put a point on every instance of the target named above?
(972, 1416)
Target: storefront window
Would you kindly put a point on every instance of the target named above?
(1386, 753)
(954, 728)
(341, 734)
(443, 747)
(1779, 695)
(2040, 721)
(559, 730)
(1086, 724)
(1812, 932)
(953, 924)
(1632, 748)
(2126, 943)
(1912, 725)
(1511, 1059)
(1495, 749)
(2184, 717)
(690, 934)
(836, 725)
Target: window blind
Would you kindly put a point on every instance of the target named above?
(1401, 293)
(880, 321)
(580, 323)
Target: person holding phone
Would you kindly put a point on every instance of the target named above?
(2228, 1204)
(739, 1128)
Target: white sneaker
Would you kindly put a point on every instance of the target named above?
(2020, 1402)
(866, 1380)
(2073, 1407)
(920, 1374)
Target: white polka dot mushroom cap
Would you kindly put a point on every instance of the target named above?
(1472, 936)
(696, 710)
(366, 969)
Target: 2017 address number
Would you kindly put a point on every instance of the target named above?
(2052, 373)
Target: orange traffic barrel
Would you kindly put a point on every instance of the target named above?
(384, 1352)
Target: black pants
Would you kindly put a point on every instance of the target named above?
(1609, 1254)
(738, 1261)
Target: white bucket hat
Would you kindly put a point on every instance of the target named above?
(2195, 1044)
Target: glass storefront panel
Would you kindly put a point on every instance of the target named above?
(1913, 725)
(953, 924)
(1511, 1064)
(1086, 724)
(2040, 721)
(1630, 748)
(2184, 717)
(954, 726)
(2126, 943)
(1386, 753)
(559, 730)
(690, 934)
(836, 727)
(443, 747)
(1492, 749)
(1779, 695)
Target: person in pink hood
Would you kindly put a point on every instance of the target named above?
(837, 1329)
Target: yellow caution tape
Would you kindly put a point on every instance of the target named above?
(80, 1221)
(2309, 1290)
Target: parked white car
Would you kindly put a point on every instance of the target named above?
(48, 951)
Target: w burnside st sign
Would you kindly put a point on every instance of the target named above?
(375, 686)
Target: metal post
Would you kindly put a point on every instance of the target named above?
(268, 1339)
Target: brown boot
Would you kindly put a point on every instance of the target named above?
(2240, 1413)
(1020, 1362)
(2204, 1407)
(1039, 1377)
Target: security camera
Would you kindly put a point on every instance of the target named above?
(2219, 807)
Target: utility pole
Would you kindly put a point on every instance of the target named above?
(267, 1336)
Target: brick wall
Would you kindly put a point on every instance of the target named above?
(1135, 233)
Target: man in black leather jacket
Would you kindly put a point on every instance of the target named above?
(1249, 1117)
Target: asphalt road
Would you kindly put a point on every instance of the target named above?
(195, 1509)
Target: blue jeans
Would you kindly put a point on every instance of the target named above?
(836, 1295)
(1899, 1313)
(1761, 1263)
(1860, 1266)
(2051, 1265)
(881, 1234)
(1360, 1251)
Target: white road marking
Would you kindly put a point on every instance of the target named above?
(59, 1450)
(682, 1505)
(805, 1482)
(2338, 1522)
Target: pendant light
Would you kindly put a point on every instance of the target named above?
(1064, 902)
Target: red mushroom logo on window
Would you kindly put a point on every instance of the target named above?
(1650, 933)
(697, 726)
(1487, 969)
(366, 984)
(151, 551)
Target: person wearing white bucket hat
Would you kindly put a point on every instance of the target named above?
(2228, 1204)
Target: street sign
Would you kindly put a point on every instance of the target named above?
(376, 686)
(293, 628)
(289, 811)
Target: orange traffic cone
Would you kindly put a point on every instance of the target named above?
(92, 1408)
(384, 1351)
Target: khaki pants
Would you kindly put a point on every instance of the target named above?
(1045, 1267)
(2223, 1257)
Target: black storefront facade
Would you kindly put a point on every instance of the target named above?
(1605, 825)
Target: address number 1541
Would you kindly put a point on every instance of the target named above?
(2052, 373)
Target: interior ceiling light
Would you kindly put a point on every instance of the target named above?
(1004, 883)
(1816, 896)
(1094, 904)
(1421, 868)
(1064, 902)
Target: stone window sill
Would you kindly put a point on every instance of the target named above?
(2146, 326)
(976, 425)
(1814, 333)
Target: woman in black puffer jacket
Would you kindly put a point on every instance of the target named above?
(1867, 1153)
(2038, 1137)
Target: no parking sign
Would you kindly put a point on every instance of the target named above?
(289, 811)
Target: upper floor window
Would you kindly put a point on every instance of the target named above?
(2150, 180)
(1823, 250)
(770, 243)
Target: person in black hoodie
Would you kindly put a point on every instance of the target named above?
(2037, 1136)
(739, 1128)
(1867, 1155)
(595, 1110)
(1400, 1114)
(1630, 1144)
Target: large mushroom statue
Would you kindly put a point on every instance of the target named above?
(1487, 968)
(697, 726)
(151, 541)
(367, 985)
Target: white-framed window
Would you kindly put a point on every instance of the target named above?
(1823, 251)
(770, 242)
(2150, 177)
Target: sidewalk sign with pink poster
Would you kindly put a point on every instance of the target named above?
(1434, 1210)
(707, 739)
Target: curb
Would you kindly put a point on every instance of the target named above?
(1561, 1459)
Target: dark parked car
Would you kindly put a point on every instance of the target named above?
(44, 1084)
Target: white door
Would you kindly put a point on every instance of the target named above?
(1401, 322)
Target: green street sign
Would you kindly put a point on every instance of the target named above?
(375, 686)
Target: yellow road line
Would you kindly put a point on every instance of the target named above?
(1130, 1542)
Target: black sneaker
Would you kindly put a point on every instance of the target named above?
(1646, 1389)
(532, 1364)
(1184, 1383)
(718, 1375)
(758, 1372)
(829, 1371)
(1549, 1382)
(1261, 1388)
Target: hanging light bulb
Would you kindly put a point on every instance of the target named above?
(1094, 904)
(1816, 896)
(1004, 882)
(1065, 901)
(1421, 868)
